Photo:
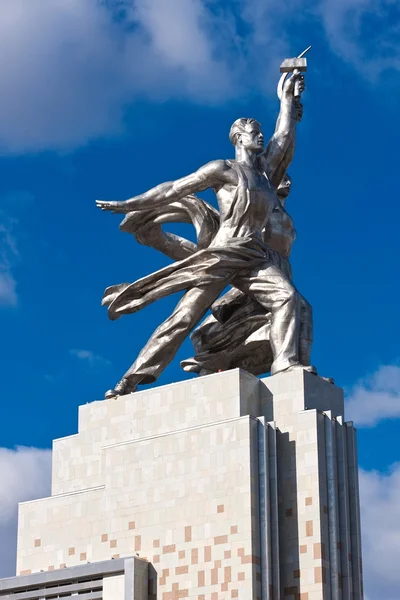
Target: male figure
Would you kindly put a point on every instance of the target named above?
(237, 334)
(245, 190)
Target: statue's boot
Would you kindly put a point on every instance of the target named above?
(309, 369)
(127, 385)
(190, 365)
(299, 367)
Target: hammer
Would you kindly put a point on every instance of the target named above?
(295, 66)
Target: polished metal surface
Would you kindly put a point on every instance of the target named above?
(245, 244)
(290, 64)
(293, 65)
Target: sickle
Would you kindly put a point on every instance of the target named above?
(281, 83)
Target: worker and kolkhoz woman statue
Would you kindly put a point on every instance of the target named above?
(262, 324)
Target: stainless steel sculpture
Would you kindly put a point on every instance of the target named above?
(237, 333)
(245, 245)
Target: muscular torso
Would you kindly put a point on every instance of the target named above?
(279, 232)
(245, 212)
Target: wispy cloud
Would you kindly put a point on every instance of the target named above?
(375, 398)
(90, 358)
(8, 288)
(101, 56)
(14, 208)
(25, 474)
(380, 510)
(8, 257)
(98, 56)
(363, 32)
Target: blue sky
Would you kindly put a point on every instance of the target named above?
(107, 99)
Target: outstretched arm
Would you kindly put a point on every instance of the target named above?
(278, 154)
(211, 175)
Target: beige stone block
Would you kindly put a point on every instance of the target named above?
(296, 391)
(172, 474)
(113, 587)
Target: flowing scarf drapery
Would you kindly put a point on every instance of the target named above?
(197, 265)
(237, 324)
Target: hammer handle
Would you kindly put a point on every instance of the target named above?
(297, 92)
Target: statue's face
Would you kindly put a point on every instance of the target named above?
(283, 190)
(252, 138)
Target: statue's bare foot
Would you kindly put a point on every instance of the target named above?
(123, 387)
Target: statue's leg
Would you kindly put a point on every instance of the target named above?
(273, 290)
(167, 338)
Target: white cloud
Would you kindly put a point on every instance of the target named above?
(60, 73)
(177, 34)
(16, 202)
(8, 288)
(8, 256)
(68, 68)
(90, 357)
(375, 398)
(363, 32)
(380, 510)
(25, 474)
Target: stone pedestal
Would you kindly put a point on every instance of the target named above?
(229, 486)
